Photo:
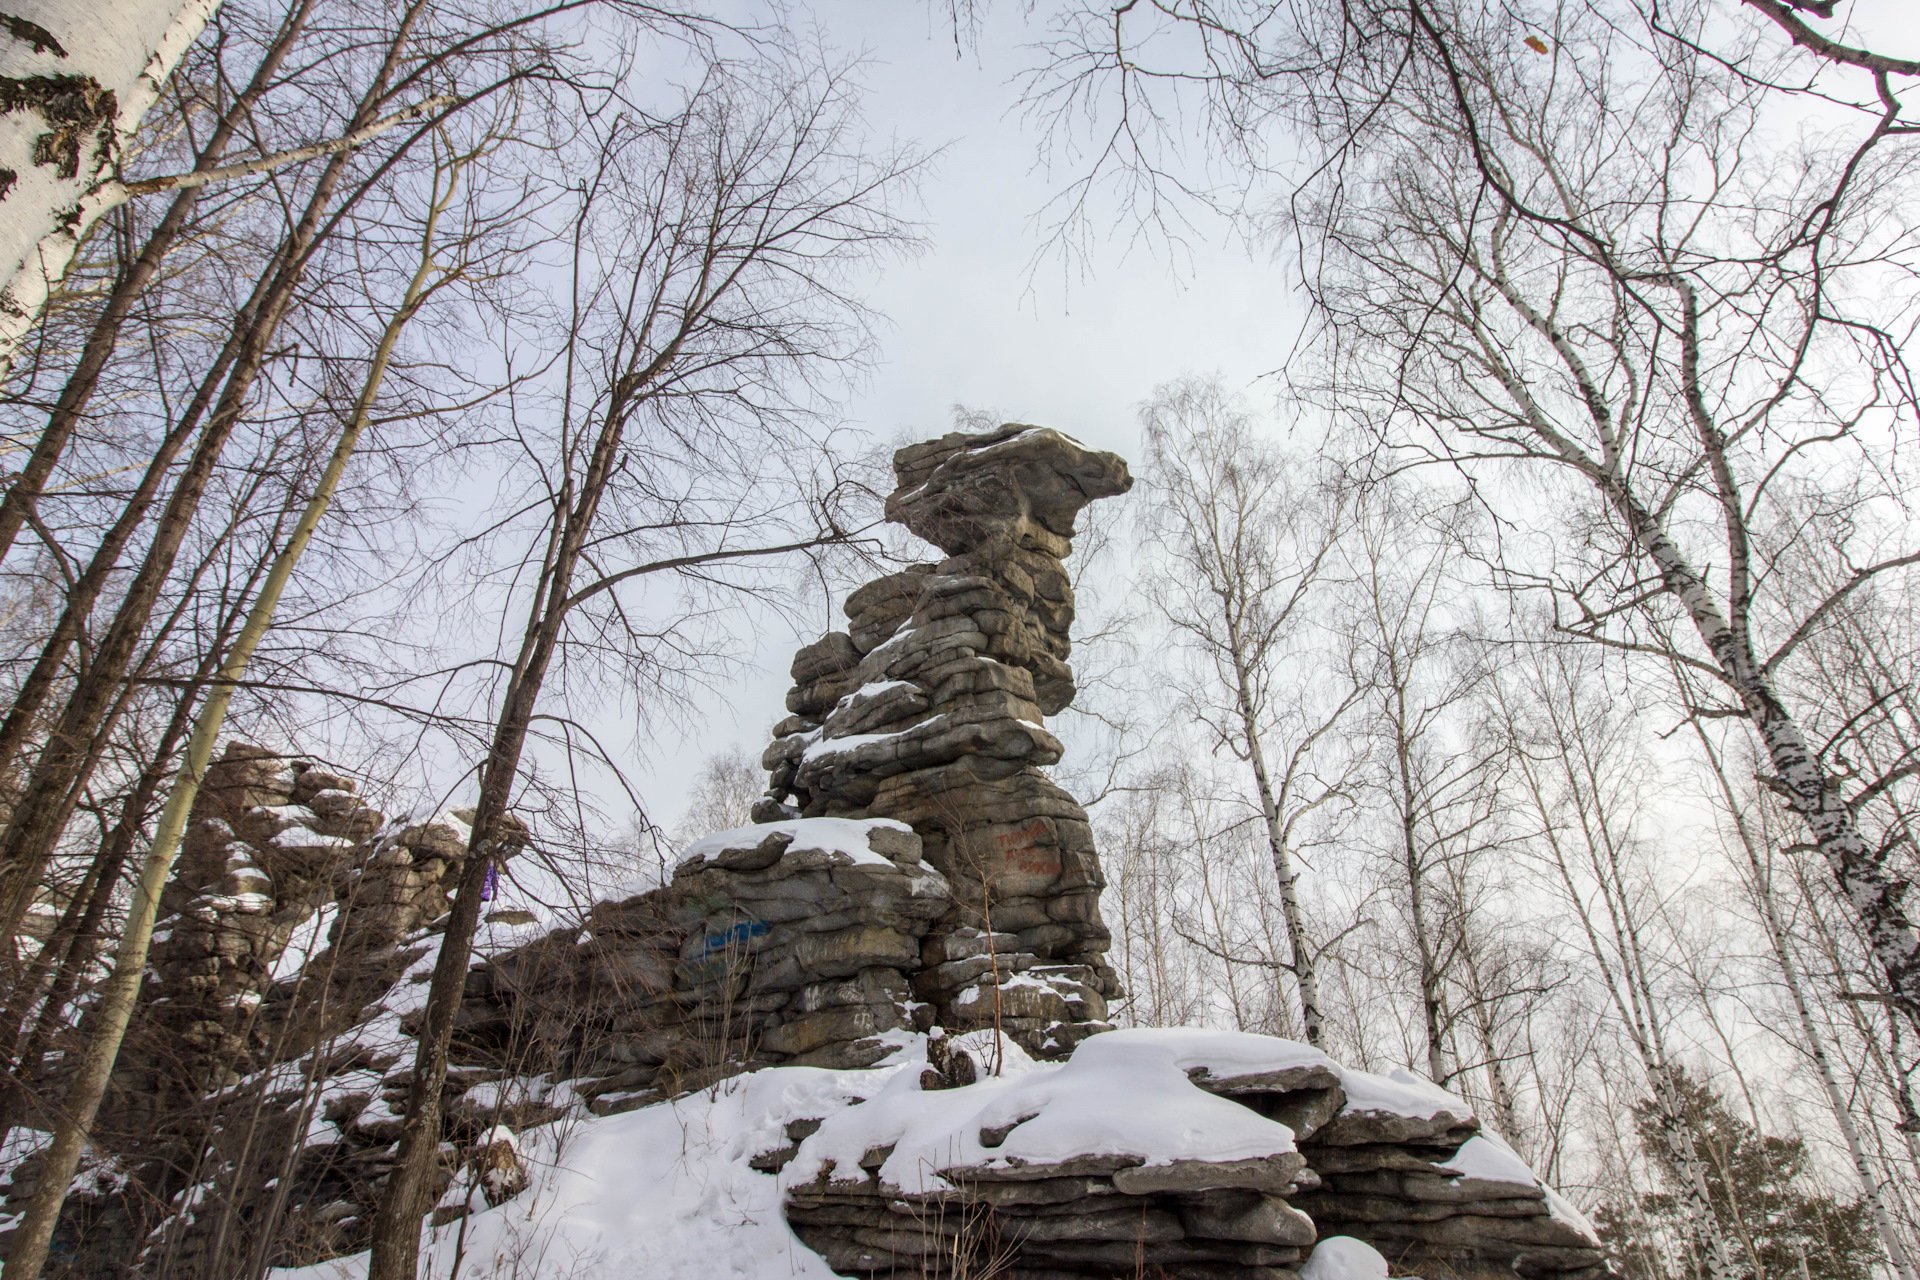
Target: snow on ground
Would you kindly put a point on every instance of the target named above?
(662, 1191)
(666, 1190)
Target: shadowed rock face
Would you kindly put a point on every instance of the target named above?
(930, 709)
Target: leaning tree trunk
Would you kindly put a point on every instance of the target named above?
(1301, 958)
(1811, 1040)
(109, 1024)
(18, 504)
(1799, 776)
(395, 1254)
(75, 80)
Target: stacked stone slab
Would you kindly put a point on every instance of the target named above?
(1368, 1167)
(930, 708)
(271, 843)
(1095, 1215)
(266, 846)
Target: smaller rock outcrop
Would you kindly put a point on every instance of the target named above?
(1177, 1153)
(790, 942)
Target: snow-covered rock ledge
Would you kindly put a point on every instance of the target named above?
(1180, 1153)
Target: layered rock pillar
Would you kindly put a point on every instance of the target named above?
(931, 709)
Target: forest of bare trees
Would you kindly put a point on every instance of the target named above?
(1519, 685)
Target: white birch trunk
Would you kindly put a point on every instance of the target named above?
(1634, 1002)
(1898, 1257)
(1300, 948)
(76, 77)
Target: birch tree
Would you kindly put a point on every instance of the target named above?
(78, 78)
(1434, 780)
(710, 251)
(1247, 534)
(1749, 840)
(1565, 240)
(1580, 771)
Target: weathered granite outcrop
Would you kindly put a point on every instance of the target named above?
(1178, 1153)
(276, 850)
(930, 709)
(917, 903)
(789, 943)
(294, 909)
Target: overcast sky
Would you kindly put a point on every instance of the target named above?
(971, 320)
(974, 321)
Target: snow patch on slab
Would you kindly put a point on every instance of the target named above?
(1399, 1092)
(1490, 1160)
(1343, 1258)
(1226, 1054)
(1487, 1157)
(1126, 1099)
(304, 838)
(868, 692)
(309, 939)
(826, 748)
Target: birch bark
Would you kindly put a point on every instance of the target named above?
(1811, 1041)
(75, 81)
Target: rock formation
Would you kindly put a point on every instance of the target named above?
(794, 942)
(1178, 1153)
(279, 854)
(917, 905)
(930, 709)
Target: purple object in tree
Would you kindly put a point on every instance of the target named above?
(493, 882)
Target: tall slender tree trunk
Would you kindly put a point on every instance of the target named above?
(1412, 864)
(1634, 1002)
(115, 1011)
(18, 504)
(395, 1254)
(78, 78)
(68, 953)
(1301, 958)
(1506, 1113)
(77, 606)
(1812, 1042)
